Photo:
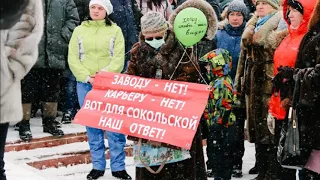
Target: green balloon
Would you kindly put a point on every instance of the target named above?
(190, 26)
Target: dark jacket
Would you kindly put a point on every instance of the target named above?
(123, 16)
(83, 8)
(229, 38)
(61, 17)
(308, 65)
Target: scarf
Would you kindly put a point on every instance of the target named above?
(262, 20)
(235, 31)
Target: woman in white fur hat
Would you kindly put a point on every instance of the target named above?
(98, 45)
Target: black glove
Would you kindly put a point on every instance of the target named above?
(286, 71)
(277, 83)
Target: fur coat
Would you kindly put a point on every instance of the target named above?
(19, 52)
(145, 61)
(254, 76)
(308, 96)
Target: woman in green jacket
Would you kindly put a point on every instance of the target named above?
(98, 45)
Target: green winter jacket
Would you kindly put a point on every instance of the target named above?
(95, 47)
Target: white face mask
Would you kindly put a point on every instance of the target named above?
(156, 43)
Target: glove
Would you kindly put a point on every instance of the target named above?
(271, 123)
(277, 83)
(286, 71)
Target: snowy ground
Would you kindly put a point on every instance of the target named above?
(79, 172)
(17, 169)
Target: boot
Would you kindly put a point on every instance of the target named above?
(95, 174)
(123, 175)
(210, 173)
(237, 173)
(24, 125)
(253, 170)
(260, 177)
(66, 119)
(16, 126)
(24, 130)
(49, 119)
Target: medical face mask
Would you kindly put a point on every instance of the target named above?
(155, 42)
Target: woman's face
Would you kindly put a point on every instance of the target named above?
(295, 17)
(235, 19)
(154, 36)
(97, 12)
(263, 9)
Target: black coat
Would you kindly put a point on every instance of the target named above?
(83, 9)
(123, 16)
(308, 105)
(61, 18)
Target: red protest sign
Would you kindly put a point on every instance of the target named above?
(158, 110)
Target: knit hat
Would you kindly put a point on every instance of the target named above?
(296, 5)
(274, 3)
(106, 4)
(153, 22)
(237, 6)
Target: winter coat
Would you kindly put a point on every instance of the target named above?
(123, 16)
(61, 17)
(93, 47)
(83, 8)
(218, 111)
(308, 107)
(286, 53)
(229, 38)
(145, 61)
(19, 52)
(165, 8)
(254, 76)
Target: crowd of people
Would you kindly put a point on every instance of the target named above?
(261, 57)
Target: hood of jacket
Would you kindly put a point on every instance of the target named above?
(308, 7)
(206, 8)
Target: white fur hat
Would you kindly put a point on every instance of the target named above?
(106, 4)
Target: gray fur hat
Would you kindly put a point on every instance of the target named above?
(237, 6)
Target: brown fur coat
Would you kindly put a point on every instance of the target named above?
(254, 75)
(145, 61)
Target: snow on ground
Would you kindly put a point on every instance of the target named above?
(37, 131)
(17, 169)
(80, 172)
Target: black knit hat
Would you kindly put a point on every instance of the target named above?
(296, 5)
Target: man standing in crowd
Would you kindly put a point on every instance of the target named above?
(61, 17)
